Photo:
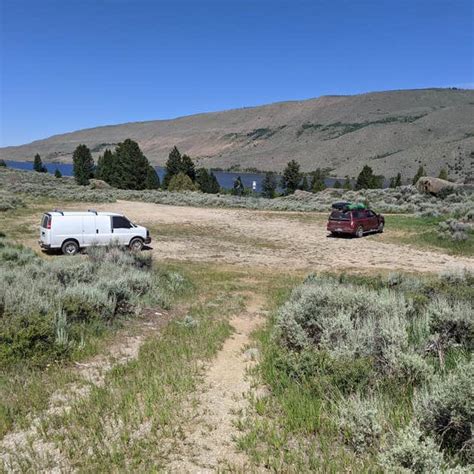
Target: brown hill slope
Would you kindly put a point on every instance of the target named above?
(391, 131)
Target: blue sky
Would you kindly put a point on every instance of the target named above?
(72, 64)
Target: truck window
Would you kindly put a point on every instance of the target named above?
(340, 216)
(119, 222)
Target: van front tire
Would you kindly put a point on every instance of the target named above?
(70, 247)
(136, 244)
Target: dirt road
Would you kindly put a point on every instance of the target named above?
(292, 241)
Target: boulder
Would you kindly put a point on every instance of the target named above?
(435, 186)
(98, 184)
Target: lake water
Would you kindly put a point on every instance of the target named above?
(225, 178)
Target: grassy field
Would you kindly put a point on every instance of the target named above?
(347, 363)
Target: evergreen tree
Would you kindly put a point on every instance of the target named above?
(187, 167)
(58, 174)
(398, 180)
(318, 183)
(304, 184)
(206, 181)
(443, 174)
(238, 188)
(38, 164)
(83, 165)
(337, 184)
(152, 180)
(107, 168)
(214, 187)
(347, 185)
(269, 185)
(421, 172)
(133, 166)
(291, 178)
(173, 166)
(181, 182)
(367, 179)
(3, 164)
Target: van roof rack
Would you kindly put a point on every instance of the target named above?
(93, 210)
(59, 210)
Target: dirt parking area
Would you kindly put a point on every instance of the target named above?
(294, 241)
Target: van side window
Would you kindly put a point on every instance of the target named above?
(119, 222)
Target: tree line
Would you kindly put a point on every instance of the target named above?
(128, 168)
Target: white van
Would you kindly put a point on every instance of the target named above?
(71, 231)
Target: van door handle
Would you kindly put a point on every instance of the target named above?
(97, 231)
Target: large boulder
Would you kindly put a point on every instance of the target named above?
(435, 186)
(98, 184)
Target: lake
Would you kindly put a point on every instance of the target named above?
(225, 178)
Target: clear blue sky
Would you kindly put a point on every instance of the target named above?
(71, 64)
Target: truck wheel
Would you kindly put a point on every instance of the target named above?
(359, 232)
(380, 229)
(70, 247)
(136, 244)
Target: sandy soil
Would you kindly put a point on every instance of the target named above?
(208, 442)
(276, 240)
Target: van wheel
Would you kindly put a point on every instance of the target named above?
(359, 232)
(70, 247)
(136, 244)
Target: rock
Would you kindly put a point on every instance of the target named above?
(252, 353)
(428, 185)
(98, 184)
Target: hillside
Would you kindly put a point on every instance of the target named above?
(391, 131)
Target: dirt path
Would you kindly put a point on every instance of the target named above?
(208, 444)
(282, 240)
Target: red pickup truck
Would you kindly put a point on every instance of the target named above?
(355, 222)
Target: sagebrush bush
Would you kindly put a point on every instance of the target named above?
(359, 423)
(412, 452)
(46, 306)
(445, 411)
(452, 322)
(346, 321)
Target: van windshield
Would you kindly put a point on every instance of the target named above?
(340, 216)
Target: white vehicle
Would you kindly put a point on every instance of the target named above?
(71, 231)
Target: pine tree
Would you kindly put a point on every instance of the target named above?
(214, 187)
(367, 179)
(347, 185)
(269, 185)
(38, 164)
(337, 184)
(304, 184)
(107, 169)
(291, 178)
(187, 167)
(58, 174)
(173, 166)
(133, 166)
(318, 183)
(421, 172)
(238, 188)
(2, 164)
(398, 180)
(83, 165)
(152, 180)
(443, 174)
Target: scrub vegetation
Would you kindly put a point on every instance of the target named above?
(367, 374)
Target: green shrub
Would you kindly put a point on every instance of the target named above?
(346, 321)
(412, 452)
(445, 411)
(359, 423)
